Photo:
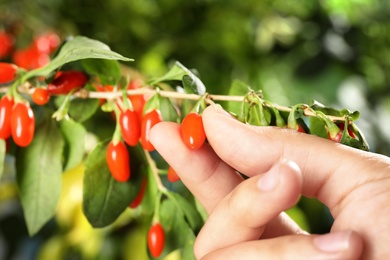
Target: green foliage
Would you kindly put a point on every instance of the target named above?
(77, 48)
(39, 169)
(108, 71)
(104, 199)
(178, 233)
(74, 136)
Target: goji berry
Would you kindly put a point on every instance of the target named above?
(8, 72)
(66, 82)
(138, 199)
(6, 105)
(40, 96)
(148, 121)
(118, 161)
(156, 240)
(172, 175)
(130, 127)
(192, 131)
(22, 124)
(6, 44)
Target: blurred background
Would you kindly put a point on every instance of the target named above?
(333, 51)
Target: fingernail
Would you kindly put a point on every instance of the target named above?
(270, 179)
(219, 109)
(333, 242)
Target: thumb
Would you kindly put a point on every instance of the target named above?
(330, 170)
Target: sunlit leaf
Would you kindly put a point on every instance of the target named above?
(39, 171)
(77, 48)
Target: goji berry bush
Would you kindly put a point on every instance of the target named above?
(44, 109)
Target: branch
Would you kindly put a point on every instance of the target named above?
(27, 88)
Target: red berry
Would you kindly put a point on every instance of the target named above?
(301, 129)
(337, 137)
(130, 126)
(8, 72)
(22, 124)
(172, 175)
(148, 121)
(47, 43)
(156, 240)
(192, 131)
(6, 44)
(30, 58)
(6, 105)
(118, 161)
(138, 199)
(66, 82)
(40, 96)
(138, 101)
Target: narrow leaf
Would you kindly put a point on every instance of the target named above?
(237, 88)
(189, 210)
(82, 109)
(77, 48)
(192, 84)
(79, 109)
(175, 73)
(74, 134)
(104, 199)
(178, 234)
(108, 71)
(39, 175)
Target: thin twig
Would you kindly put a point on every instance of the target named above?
(83, 93)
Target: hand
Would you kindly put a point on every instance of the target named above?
(246, 218)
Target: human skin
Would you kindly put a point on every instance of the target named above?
(246, 219)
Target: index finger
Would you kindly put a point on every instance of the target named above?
(200, 170)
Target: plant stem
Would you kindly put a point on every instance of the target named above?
(155, 171)
(175, 95)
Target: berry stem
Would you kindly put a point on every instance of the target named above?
(155, 172)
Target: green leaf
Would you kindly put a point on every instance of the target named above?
(74, 134)
(168, 110)
(108, 71)
(79, 109)
(151, 192)
(359, 143)
(177, 232)
(39, 179)
(2, 155)
(237, 88)
(77, 48)
(192, 84)
(175, 73)
(82, 109)
(317, 127)
(317, 106)
(104, 199)
(189, 210)
(153, 103)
